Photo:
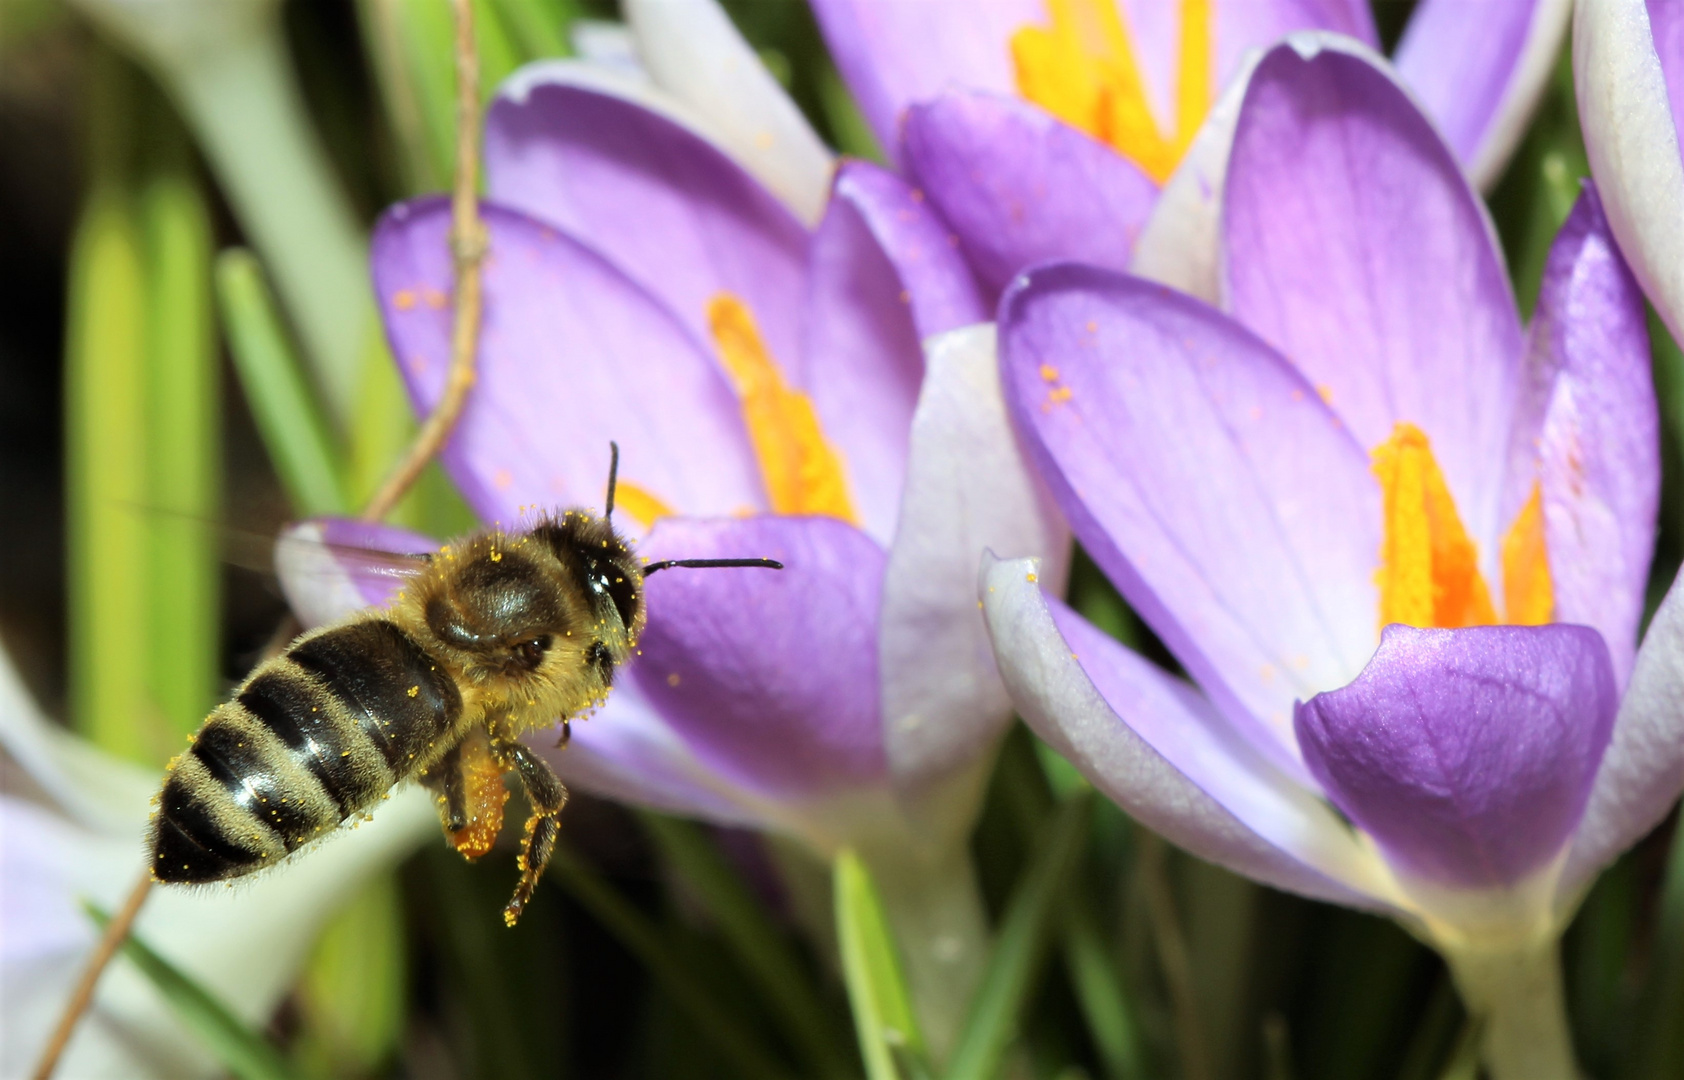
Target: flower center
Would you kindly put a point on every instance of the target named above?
(802, 471)
(1429, 567)
(1083, 70)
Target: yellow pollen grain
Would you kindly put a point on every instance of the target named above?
(802, 471)
(673, 679)
(403, 300)
(1325, 392)
(1429, 567)
(1049, 373)
(1528, 591)
(414, 691)
(1030, 577)
(1083, 69)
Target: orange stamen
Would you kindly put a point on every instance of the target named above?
(1429, 568)
(802, 472)
(1528, 592)
(1083, 70)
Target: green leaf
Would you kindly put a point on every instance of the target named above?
(292, 426)
(184, 450)
(1020, 947)
(871, 968)
(105, 440)
(765, 952)
(539, 27)
(1099, 992)
(640, 937)
(241, 1051)
(1660, 1042)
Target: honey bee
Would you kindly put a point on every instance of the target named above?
(494, 637)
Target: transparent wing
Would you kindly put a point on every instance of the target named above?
(330, 567)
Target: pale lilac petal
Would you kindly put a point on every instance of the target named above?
(1021, 187)
(572, 355)
(694, 53)
(1355, 246)
(657, 200)
(1632, 139)
(1643, 770)
(330, 567)
(626, 752)
(1208, 480)
(1180, 244)
(938, 285)
(1467, 754)
(1589, 432)
(1154, 746)
(771, 676)
(882, 276)
(1666, 27)
(1478, 70)
(1245, 25)
(968, 489)
(894, 54)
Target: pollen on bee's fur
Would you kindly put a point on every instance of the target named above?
(415, 690)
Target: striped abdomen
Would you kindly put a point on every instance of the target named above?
(315, 736)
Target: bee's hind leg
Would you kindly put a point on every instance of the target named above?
(545, 792)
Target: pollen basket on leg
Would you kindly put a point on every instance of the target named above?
(802, 471)
(1084, 70)
(1429, 567)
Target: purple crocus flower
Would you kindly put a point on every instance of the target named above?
(1047, 129)
(1399, 542)
(1628, 68)
(827, 397)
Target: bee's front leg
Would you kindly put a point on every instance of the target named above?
(545, 792)
(444, 780)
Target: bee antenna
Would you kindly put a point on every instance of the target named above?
(613, 473)
(704, 564)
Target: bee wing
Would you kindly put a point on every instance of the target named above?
(330, 567)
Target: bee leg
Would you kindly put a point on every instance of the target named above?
(566, 734)
(547, 796)
(445, 780)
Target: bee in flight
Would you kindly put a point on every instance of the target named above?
(493, 637)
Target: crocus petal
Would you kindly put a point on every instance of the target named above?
(968, 489)
(1167, 763)
(1021, 187)
(627, 752)
(662, 203)
(771, 676)
(1478, 70)
(572, 355)
(1209, 481)
(1468, 754)
(694, 53)
(882, 276)
(1643, 770)
(1589, 431)
(892, 55)
(330, 567)
(1631, 137)
(1355, 246)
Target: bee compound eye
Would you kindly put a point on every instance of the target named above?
(531, 653)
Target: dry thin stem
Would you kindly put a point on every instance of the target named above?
(116, 931)
(468, 246)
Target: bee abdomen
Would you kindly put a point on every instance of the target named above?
(315, 736)
(399, 699)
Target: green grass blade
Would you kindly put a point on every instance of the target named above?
(882, 1005)
(643, 940)
(1099, 992)
(1660, 1044)
(1021, 945)
(765, 952)
(540, 27)
(105, 442)
(351, 994)
(292, 426)
(184, 450)
(241, 1051)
